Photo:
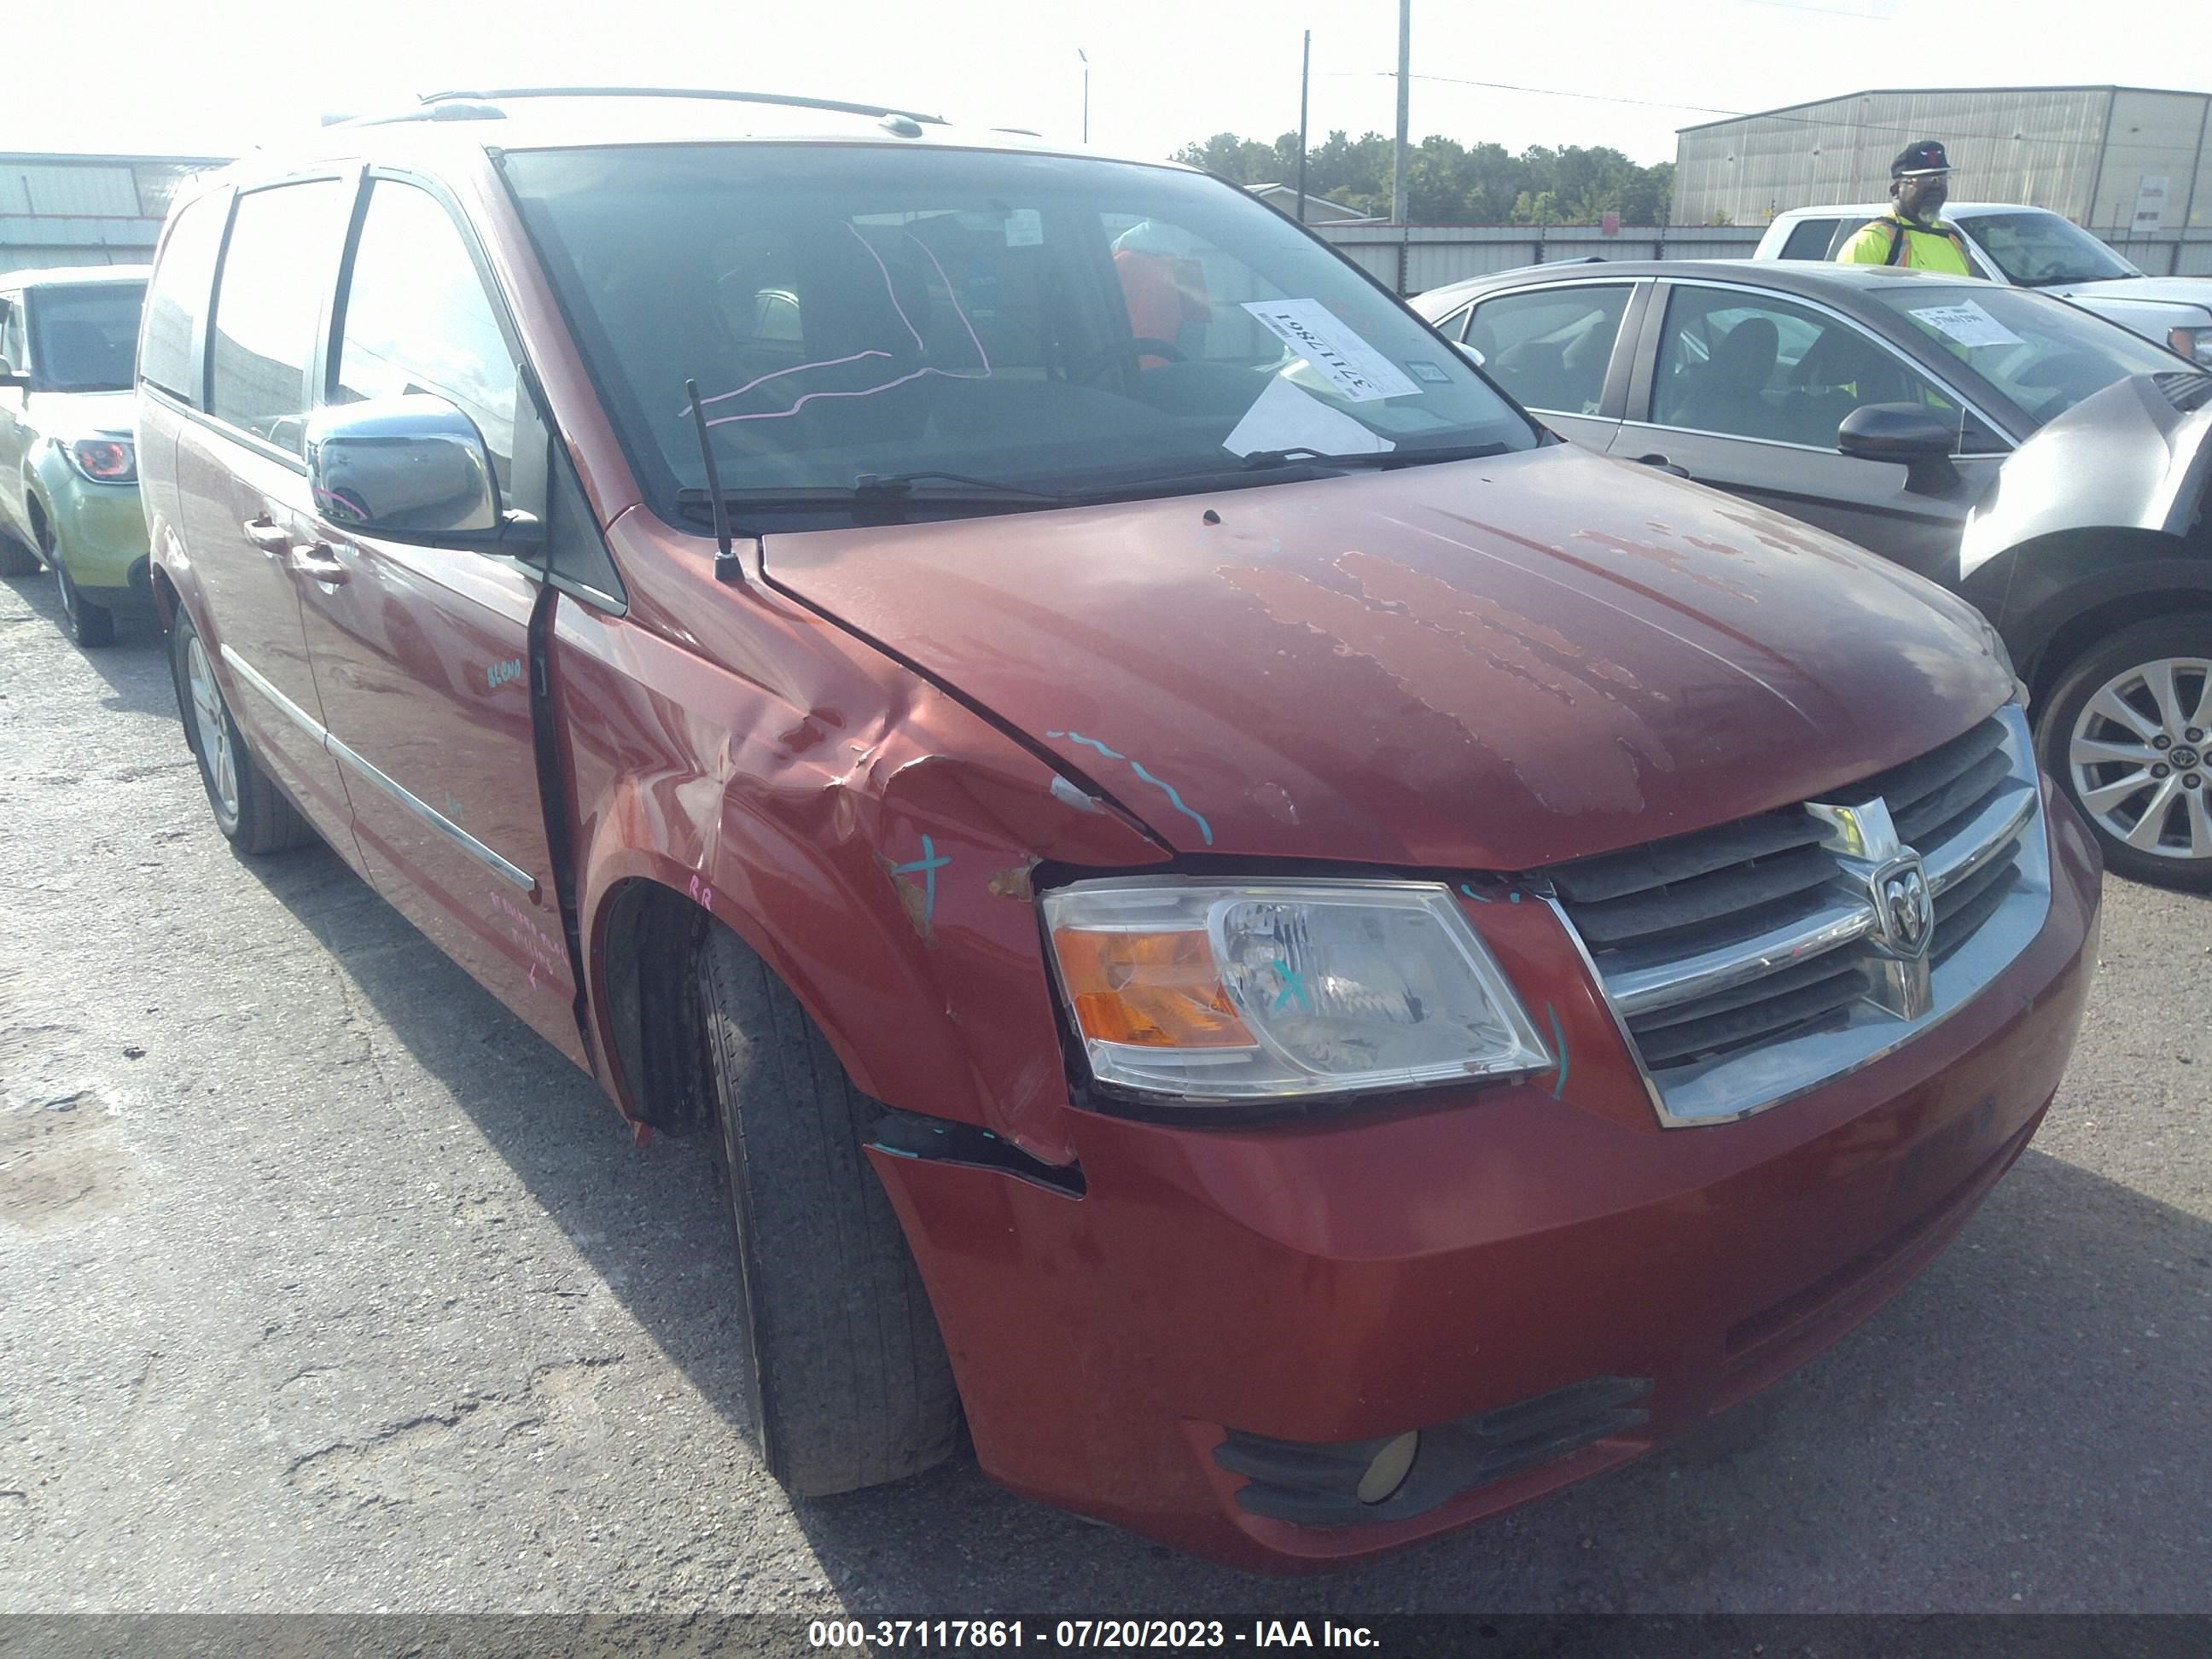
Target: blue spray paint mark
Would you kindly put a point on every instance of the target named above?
(1515, 897)
(928, 864)
(879, 1146)
(1559, 1038)
(1294, 984)
(1468, 887)
(1205, 828)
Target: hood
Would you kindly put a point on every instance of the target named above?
(2193, 292)
(1494, 664)
(83, 414)
(2135, 456)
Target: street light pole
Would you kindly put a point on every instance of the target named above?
(1305, 80)
(1405, 85)
(1085, 57)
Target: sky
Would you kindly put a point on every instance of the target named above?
(216, 77)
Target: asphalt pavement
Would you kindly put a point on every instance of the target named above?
(326, 1287)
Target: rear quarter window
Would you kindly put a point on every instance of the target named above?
(177, 299)
(1811, 238)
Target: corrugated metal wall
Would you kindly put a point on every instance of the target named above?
(85, 211)
(2047, 147)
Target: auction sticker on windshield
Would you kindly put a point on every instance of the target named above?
(1965, 323)
(1358, 371)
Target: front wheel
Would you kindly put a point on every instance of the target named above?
(847, 1375)
(2127, 734)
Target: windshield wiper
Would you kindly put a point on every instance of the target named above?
(1261, 460)
(880, 486)
(872, 490)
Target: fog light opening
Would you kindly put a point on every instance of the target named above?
(1389, 1468)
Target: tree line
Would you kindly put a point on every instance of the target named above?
(1448, 183)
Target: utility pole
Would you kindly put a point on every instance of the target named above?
(1305, 80)
(1405, 85)
(1085, 57)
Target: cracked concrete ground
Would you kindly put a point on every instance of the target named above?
(325, 1285)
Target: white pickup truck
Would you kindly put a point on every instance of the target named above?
(2030, 247)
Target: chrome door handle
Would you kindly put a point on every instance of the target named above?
(318, 560)
(270, 537)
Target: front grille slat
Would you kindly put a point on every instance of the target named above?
(1677, 1044)
(1672, 907)
(1711, 937)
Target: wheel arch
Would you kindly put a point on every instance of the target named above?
(2053, 598)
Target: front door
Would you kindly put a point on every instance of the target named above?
(421, 654)
(1553, 349)
(241, 479)
(1746, 394)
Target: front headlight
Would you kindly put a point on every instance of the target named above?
(2194, 344)
(104, 460)
(1207, 989)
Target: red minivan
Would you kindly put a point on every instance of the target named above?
(1310, 960)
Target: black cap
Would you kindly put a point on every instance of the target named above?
(1916, 160)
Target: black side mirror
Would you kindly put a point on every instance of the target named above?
(1903, 433)
(415, 469)
(10, 377)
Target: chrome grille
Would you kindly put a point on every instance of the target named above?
(1751, 962)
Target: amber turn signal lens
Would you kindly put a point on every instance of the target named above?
(1149, 990)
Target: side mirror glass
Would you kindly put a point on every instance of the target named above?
(413, 468)
(1906, 433)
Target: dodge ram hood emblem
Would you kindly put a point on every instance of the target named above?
(1904, 908)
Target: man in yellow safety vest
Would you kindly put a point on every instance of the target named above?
(1910, 233)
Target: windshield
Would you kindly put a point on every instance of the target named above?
(2042, 354)
(84, 339)
(1061, 327)
(2035, 249)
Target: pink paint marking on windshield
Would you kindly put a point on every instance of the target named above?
(892, 290)
(953, 294)
(801, 368)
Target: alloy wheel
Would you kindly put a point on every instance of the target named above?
(212, 727)
(2141, 757)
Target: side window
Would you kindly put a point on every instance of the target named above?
(1810, 240)
(1454, 326)
(268, 301)
(12, 347)
(177, 299)
(1550, 347)
(415, 319)
(1756, 367)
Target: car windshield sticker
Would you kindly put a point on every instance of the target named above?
(1358, 371)
(1024, 227)
(1967, 323)
(1284, 417)
(1429, 372)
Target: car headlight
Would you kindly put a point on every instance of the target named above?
(104, 460)
(1215, 990)
(2194, 344)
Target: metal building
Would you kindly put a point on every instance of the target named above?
(2114, 159)
(86, 210)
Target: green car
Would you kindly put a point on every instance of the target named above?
(68, 460)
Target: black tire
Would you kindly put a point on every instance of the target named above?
(16, 558)
(89, 625)
(848, 1380)
(2122, 668)
(257, 819)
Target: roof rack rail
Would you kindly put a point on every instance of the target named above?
(489, 95)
